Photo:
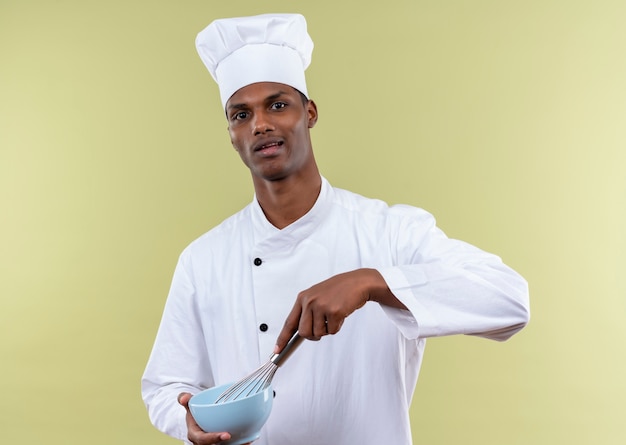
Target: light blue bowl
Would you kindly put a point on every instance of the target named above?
(242, 418)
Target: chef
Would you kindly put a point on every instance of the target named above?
(367, 282)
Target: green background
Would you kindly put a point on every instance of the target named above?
(505, 119)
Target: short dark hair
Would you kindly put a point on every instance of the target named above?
(305, 100)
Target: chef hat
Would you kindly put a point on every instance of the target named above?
(263, 48)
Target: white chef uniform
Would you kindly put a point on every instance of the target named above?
(234, 286)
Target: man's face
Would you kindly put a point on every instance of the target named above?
(269, 127)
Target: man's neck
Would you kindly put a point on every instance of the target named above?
(285, 201)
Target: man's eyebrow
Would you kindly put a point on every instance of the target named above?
(267, 99)
(236, 106)
(275, 96)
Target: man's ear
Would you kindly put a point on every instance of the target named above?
(311, 109)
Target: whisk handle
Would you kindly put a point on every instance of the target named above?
(291, 346)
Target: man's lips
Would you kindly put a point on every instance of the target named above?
(268, 148)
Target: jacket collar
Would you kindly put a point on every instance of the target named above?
(264, 231)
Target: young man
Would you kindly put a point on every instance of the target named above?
(309, 257)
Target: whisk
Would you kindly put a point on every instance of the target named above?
(262, 377)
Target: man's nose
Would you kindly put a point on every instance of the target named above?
(262, 123)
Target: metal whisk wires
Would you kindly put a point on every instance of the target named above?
(262, 377)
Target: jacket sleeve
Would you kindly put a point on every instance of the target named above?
(450, 287)
(177, 362)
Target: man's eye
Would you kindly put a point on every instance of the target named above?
(278, 105)
(240, 115)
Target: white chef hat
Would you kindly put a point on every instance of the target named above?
(264, 48)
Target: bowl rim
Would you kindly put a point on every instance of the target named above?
(222, 387)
